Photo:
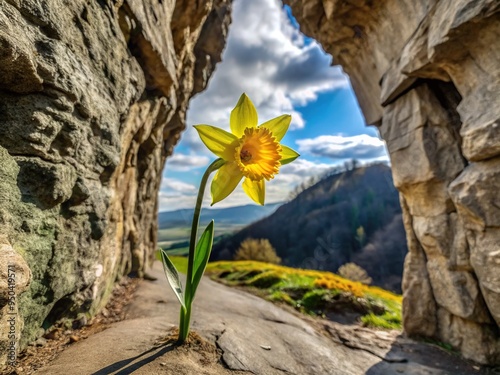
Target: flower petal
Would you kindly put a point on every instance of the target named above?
(243, 116)
(278, 126)
(288, 155)
(217, 140)
(225, 181)
(255, 190)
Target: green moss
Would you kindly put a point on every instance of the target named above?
(315, 299)
(296, 281)
(241, 276)
(388, 320)
(280, 296)
(446, 346)
(264, 280)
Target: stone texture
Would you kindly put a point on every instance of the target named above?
(475, 194)
(485, 260)
(457, 291)
(427, 73)
(15, 277)
(418, 318)
(480, 343)
(93, 96)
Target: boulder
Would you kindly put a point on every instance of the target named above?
(427, 73)
(93, 97)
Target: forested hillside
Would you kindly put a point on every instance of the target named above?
(352, 216)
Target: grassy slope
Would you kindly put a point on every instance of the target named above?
(318, 229)
(312, 292)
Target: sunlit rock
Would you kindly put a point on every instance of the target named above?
(427, 73)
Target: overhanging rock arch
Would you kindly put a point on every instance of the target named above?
(93, 97)
(427, 73)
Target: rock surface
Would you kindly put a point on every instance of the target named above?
(93, 96)
(427, 73)
(247, 335)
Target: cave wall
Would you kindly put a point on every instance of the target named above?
(427, 74)
(93, 97)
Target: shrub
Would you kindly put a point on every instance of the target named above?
(257, 249)
(354, 272)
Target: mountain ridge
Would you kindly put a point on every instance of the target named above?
(241, 215)
(353, 216)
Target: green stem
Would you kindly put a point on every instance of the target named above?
(185, 314)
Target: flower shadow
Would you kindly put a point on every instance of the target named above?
(128, 366)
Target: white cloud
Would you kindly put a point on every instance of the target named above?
(279, 188)
(183, 162)
(171, 202)
(174, 185)
(304, 168)
(267, 58)
(360, 146)
(177, 194)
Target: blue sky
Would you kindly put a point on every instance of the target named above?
(282, 71)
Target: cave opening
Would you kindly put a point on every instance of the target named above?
(284, 71)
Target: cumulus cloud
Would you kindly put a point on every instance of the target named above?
(177, 186)
(302, 168)
(268, 58)
(171, 202)
(278, 189)
(338, 147)
(183, 162)
(175, 194)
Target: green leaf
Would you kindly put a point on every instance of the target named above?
(202, 254)
(172, 276)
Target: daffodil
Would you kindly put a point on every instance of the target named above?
(251, 152)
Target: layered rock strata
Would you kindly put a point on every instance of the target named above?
(427, 74)
(93, 96)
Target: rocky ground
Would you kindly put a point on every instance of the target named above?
(238, 333)
(62, 335)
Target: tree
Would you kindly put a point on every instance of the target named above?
(257, 249)
(354, 272)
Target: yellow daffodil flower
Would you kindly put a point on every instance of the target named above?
(249, 151)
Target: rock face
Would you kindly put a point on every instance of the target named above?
(427, 73)
(93, 96)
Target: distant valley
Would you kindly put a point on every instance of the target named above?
(175, 226)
